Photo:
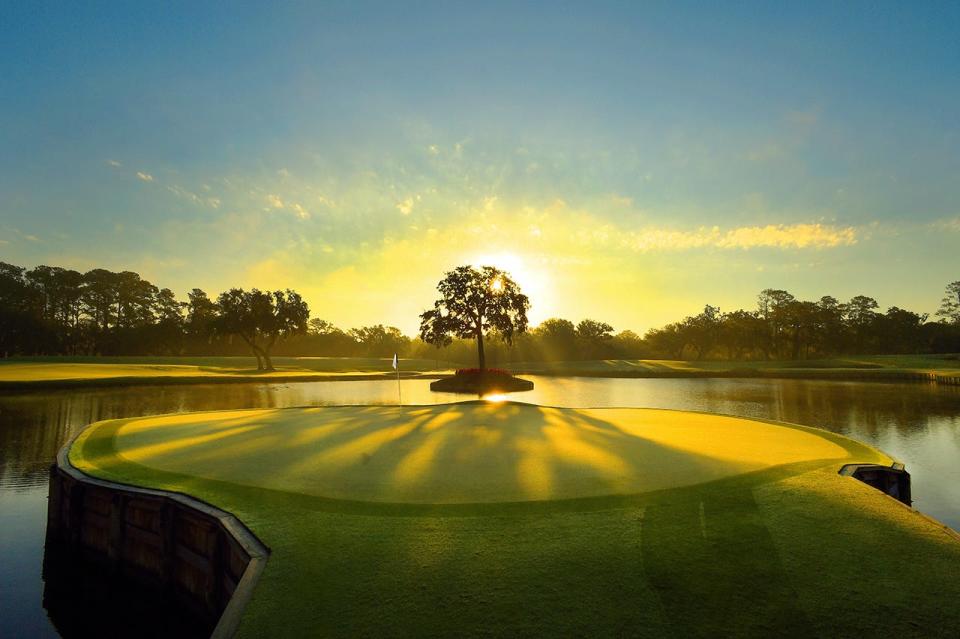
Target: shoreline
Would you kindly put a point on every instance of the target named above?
(827, 374)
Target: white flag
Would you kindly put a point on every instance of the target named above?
(396, 364)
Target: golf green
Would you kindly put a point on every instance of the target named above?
(511, 519)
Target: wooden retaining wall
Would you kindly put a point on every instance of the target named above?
(201, 555)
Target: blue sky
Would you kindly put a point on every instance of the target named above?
(628, 162)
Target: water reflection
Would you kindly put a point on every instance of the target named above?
(918, 423)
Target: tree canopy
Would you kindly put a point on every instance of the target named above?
(472, 302)
(260, 318)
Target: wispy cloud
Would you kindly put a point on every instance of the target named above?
(301, 212)
(114, 163)
(275, 202)
(951, 224)
(780, 236)
(146, 177)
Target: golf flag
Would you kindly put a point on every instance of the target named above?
(396, 364)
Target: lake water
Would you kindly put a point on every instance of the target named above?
(917, 423)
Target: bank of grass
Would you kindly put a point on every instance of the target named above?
(498, 520)
(53, 372)
(56, 372)
(878, 367)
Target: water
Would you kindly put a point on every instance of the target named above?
(917, 423)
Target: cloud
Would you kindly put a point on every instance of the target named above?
(146, 177)
(406, 206)
(301, 212)
(114, 163)
(276, 202)
(781, 236)
(948, 224)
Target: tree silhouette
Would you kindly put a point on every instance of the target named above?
(950, 305)
(472, 302)
(261, 318)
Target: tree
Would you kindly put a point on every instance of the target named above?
(772, 305)
(260, 318)
(741, 331)
(595, 338)
(702, 331)
(380, 340)
(950, 305)
(201, 313)
(558, 338)
(472, 302)
(861, 314)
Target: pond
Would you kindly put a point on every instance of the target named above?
(917, 423)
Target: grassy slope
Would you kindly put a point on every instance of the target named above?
(70, 371)
(787, 550)
(863, 366)
(63, 371)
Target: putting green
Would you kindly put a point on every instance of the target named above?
(464, 453)
(507, 519)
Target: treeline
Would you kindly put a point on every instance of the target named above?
(56, 311)
(784, 327)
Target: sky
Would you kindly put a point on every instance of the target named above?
(627, 162)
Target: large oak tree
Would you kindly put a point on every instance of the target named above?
(472, 302)
(261, 318)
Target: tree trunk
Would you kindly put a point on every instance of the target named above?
(268, 365)
(253, 347)
(481, 357)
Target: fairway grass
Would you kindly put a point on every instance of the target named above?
(487, 519)
(58, 372)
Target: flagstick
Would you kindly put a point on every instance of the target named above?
(396, 365)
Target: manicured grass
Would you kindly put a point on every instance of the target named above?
(864, 367)
(516, 520)
(80, 371)
(70, 371)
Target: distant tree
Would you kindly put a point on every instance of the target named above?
(668, 341)
(629, 345)
(167, 309)
(260, 319)
(594, 339)
(201, 313)
(99, 297)
(831, 329)
(861, 314)
(702, 332)
(900, 331)
(740, 332)
(772, 307)
(380, 340)
(473, 301)
(950, 305)
(557, 337)
(317, 326)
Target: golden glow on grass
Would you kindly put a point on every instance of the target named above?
(464, 453)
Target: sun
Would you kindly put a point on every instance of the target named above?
(525, 271)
